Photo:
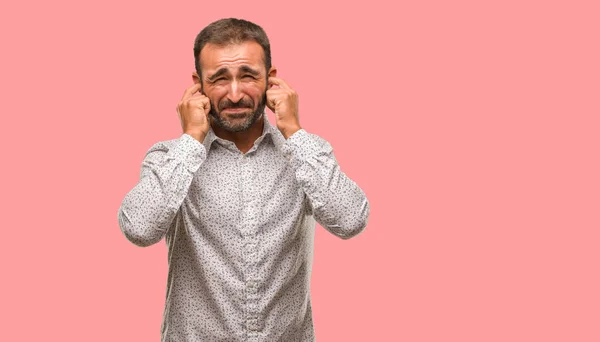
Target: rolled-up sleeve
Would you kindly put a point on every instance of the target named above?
(336, 201)
(149, 209)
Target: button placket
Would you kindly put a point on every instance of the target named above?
(245, 193)
(250, 245)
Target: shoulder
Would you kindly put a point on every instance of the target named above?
(184, 148)
(163, 145)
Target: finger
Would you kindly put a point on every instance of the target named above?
(190, 91)
(279, 82)
(270, 100)
(273, 94)
(206, 105)
(272, 104)
(197, 97)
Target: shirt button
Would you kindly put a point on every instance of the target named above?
(251, 248)
(252, 324)
(252, 286)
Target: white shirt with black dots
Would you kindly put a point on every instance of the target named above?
(239, 229)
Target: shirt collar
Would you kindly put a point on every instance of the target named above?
(268, 131)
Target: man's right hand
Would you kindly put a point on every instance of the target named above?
(193, 112)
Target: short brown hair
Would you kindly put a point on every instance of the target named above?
(231, 31)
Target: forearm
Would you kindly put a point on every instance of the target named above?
(336, 201)
(148, 210)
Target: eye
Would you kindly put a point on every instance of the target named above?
(248, 76)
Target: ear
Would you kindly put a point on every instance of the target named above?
(272, 73)
(195, 77)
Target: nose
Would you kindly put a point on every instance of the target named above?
(234, 94)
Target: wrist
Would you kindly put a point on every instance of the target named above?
(290, 131)
(196, 135)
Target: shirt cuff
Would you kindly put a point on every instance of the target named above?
(189, 151)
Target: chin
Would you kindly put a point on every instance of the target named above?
(237, 122)
(238, 125)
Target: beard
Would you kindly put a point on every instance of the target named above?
(250, 116)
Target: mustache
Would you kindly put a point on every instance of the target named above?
(243, 103)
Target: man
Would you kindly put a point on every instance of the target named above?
(236, 198)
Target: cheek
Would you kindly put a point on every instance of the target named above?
(215, 95)
(255, 92)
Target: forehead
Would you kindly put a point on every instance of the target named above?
(231, 56)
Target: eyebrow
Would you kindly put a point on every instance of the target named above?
(249, 70)
(224, 71)
(219, 72)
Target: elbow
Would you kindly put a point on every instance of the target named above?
(139, 240)
(134, 233)
(347, 225)
(358, 223)
(352, 230)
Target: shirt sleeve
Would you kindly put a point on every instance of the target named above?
(149, 209)
(336, 201)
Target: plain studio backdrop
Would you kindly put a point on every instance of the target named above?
(472, 126)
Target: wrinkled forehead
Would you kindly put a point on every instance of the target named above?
(232, 57)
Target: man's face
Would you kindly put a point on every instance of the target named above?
(234, 79)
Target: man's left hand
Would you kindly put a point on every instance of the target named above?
(283, 101)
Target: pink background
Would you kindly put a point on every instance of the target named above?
(472, 126)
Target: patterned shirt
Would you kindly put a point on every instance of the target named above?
(239, 230)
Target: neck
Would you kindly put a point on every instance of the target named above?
(245, 139)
